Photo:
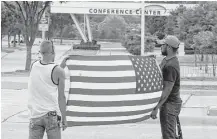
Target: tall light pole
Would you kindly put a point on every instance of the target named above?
(142, 28)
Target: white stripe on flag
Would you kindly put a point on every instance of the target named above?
(103, 85)
(99, 63)
(102, 73)
(98, 119)
(114, 97)
(111, 109)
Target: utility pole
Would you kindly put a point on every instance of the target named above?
(85, 24)
(142, 28)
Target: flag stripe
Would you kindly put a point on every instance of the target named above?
(112, 103)
(106, 114)
(102, 79)
(99, 63)
(102, 73)
(111, 109)
(97, 119)
(82, 91)
(99, 58)
(114, 97)
(101, 68)
(103, 85)
(73, 123)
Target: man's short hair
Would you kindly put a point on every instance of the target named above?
(46, 47)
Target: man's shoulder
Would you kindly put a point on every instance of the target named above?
(173, 62)
(58, 71)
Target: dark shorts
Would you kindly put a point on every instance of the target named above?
(168, 115)
(50, 123)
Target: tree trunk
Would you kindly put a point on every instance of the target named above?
(195, 57)
(19, 39)
(15, 40)
(61, 40)
(24, 39)
(206, 63)
(202, 57)
(9, 45)
(1, 42)
(61, 36)
(28, 57)
(213, 63)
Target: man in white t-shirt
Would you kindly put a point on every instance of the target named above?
(46, 103)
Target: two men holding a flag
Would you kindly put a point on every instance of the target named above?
(104, 90)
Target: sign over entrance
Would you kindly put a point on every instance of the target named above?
(154, 10)
(114, 8)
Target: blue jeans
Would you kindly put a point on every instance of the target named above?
(168, 116)
(37, 127)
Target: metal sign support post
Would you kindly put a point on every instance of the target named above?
(43, 31)
(78, 27)
(142, 29)
(84, 24)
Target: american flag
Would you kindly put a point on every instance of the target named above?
(112, 89)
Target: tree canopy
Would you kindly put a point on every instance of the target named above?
(31, 13)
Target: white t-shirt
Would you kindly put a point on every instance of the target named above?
(42, 91)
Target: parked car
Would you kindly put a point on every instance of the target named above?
(17, 37)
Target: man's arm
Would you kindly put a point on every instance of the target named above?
(168, 86)
(60, 78)
(63, 63)
(61, 94)
(169, 76)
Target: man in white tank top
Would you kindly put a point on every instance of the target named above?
(46, 103)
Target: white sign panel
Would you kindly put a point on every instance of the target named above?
(43, 20)
(43, 27)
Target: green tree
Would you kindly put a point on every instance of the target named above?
(10, 22)
(31, 13)
(201, 18)
(58, 22)
(112, 27)
(155, 24)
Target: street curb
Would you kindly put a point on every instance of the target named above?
(4, 55)
(191, 121)
(212, 111)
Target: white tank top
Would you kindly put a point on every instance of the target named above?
(42, 91)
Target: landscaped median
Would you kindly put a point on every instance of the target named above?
(87, 46)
